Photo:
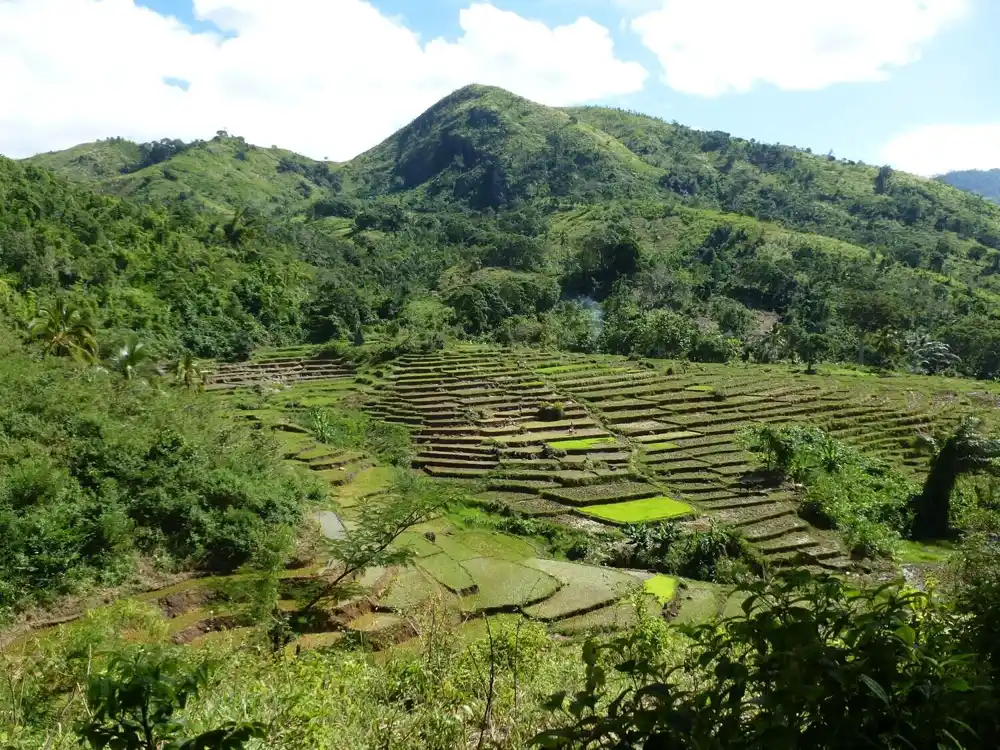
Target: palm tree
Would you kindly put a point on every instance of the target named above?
(130, 357)
(65, 330)
(187, 371)
(967, 451)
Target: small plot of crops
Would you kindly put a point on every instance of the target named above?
(699, 602)
(584, 588)
(662, 587)
(597, 494)
(639, 511)
(505, 585)
(409, 589)
(618, 616)
(448, 572)
(583, 444)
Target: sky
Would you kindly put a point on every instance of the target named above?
(912, 83)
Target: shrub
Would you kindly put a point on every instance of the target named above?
(717, 554)
(811, 663)
(862, 498)
(551, 411)
(356, 430)
(94, 473)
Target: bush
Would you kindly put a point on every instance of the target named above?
(715, 348)
(551, 412)
(356, 430)
(94, 473)
(863, 499)
(718, 554)
(811, 663)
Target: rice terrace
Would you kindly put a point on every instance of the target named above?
(585, 443)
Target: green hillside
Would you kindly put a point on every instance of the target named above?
(222, 175)
(387, 453)
(179, 280)
(92, 163)
(500, 214)
(982, 182)
(483, 147)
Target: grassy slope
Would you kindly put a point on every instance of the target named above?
(216, 174)
(91, 163)
(449, 151)
(222, 174)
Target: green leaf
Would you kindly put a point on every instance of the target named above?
(876, 689)
(907, 634)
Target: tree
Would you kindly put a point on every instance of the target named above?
(371, 543)
(966, 451)
(608, 254)
(807, 345)
(883, 180)
(130, 358)
(132, 705)
(188, 372)
(65, 330)
(928, 356)
(664, 333)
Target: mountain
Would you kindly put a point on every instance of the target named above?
(982, 182)
(223, 174)
(479, 216)
(484, 147)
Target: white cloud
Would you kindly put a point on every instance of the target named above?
(935, 149)
(323, 77)
(712, 47)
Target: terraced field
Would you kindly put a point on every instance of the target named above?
(685, 429)
(638, 442)
(480, 572)
(488, 416)
(587, 441)
(280, 367)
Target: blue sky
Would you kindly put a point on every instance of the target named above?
(912, 82)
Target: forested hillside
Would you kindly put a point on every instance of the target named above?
(983, 182)
(182, 280)
(491, 216)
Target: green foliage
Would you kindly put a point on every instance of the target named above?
(133, 704)
(187, 371)
(551, 411)
(65, 330)
(176, 278)
(977, 592)
(409, 501)
(966, 451)
(355, 429)
(93, 475)
(984, 182)
(131, 358)
(810, 663)
(499, 208)
(868, 502)
(717, 554)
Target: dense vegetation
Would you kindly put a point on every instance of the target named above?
(184, 281)
(97, 471)
(807, 663)
(984, 182)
